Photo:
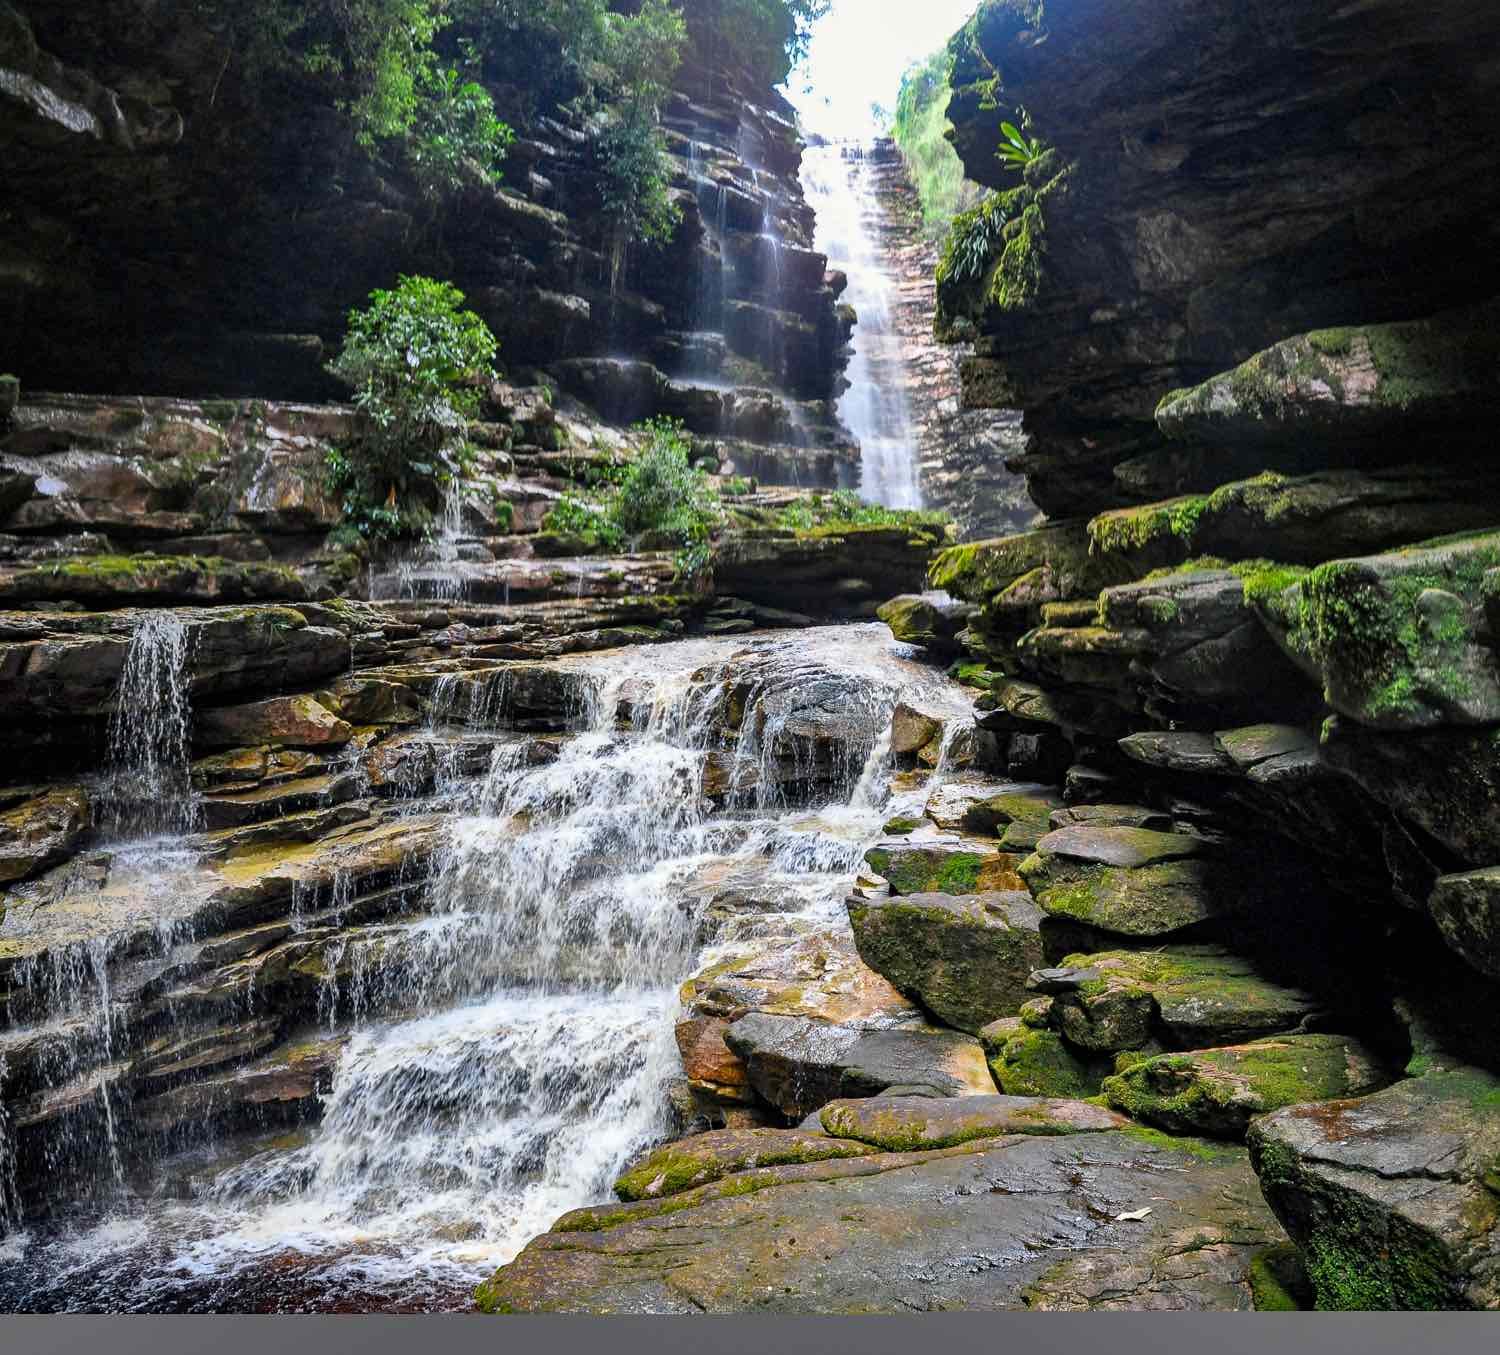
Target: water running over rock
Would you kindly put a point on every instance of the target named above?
(149, 789)
(499, 1053)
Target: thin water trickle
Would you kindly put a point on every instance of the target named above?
(149, 785)
(836, 182)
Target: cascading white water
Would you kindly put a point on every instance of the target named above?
(509, 1051)
(149, 788)
(836, 182)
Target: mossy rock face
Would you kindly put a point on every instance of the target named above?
(910, 1123)
(1391, 1198)
(40, 832)
(1217, 1091)
(1027, 1062)
(924, 865)
(1300, 519)
(965, 959)
(982, 571)
(1191, 997)
(1349, 385)
(707, 1157)
(1020, 819)
(1398, 641)
(122, 580)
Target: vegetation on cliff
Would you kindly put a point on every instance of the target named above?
(921, 130)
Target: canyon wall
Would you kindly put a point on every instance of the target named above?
(1245, 299)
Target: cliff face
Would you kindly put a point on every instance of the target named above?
(961, 452)
(1245, 300)
(171, 229)
(1218, 180)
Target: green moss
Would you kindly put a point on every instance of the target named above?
(1169, 525)
(1202, 1149)
(1265, 579)
(1039, 1063)
(1276, 1276)
(900, 827)
(221, 411)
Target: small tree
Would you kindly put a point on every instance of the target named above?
(416, 361)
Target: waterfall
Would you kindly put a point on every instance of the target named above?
(509, 1048)
(149, 787)
(836, 182)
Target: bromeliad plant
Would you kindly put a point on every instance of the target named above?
(1018, 150)
(417, 362)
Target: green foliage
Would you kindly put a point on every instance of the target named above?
(843, 508)
(415, 360)
(591, 523)
(920, 127)
(974, 242)
(457, 131)
(1018, 150)
(767, 37)
(635, 182)
(661, 501)
(664, 496)
(380, 61)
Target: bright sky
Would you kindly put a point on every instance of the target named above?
(858, 54)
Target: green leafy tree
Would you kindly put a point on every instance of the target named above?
(417, 363)
(767, 37)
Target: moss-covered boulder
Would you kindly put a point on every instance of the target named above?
(1020, 818)
(1031, 1062)
(150, 581)
(1218, 1091)
(1466, 908)
(1131, 881)
(1300, 519)
(1367, 384)
(934, 863)
(1393, 1199)
(708, 1157)
(1398, 641)
(1189, 997)
(964, 958)
(908, 1123)
(930, 621)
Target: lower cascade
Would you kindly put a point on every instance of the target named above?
(503, 1046)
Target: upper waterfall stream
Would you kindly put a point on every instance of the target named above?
(507, 1047)
(836, 181)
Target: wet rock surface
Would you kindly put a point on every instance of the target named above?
(816, 1240)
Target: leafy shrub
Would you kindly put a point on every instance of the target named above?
(456, 132)
(635, 182)
(592, 522)
(415, 361)
(662, 501)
